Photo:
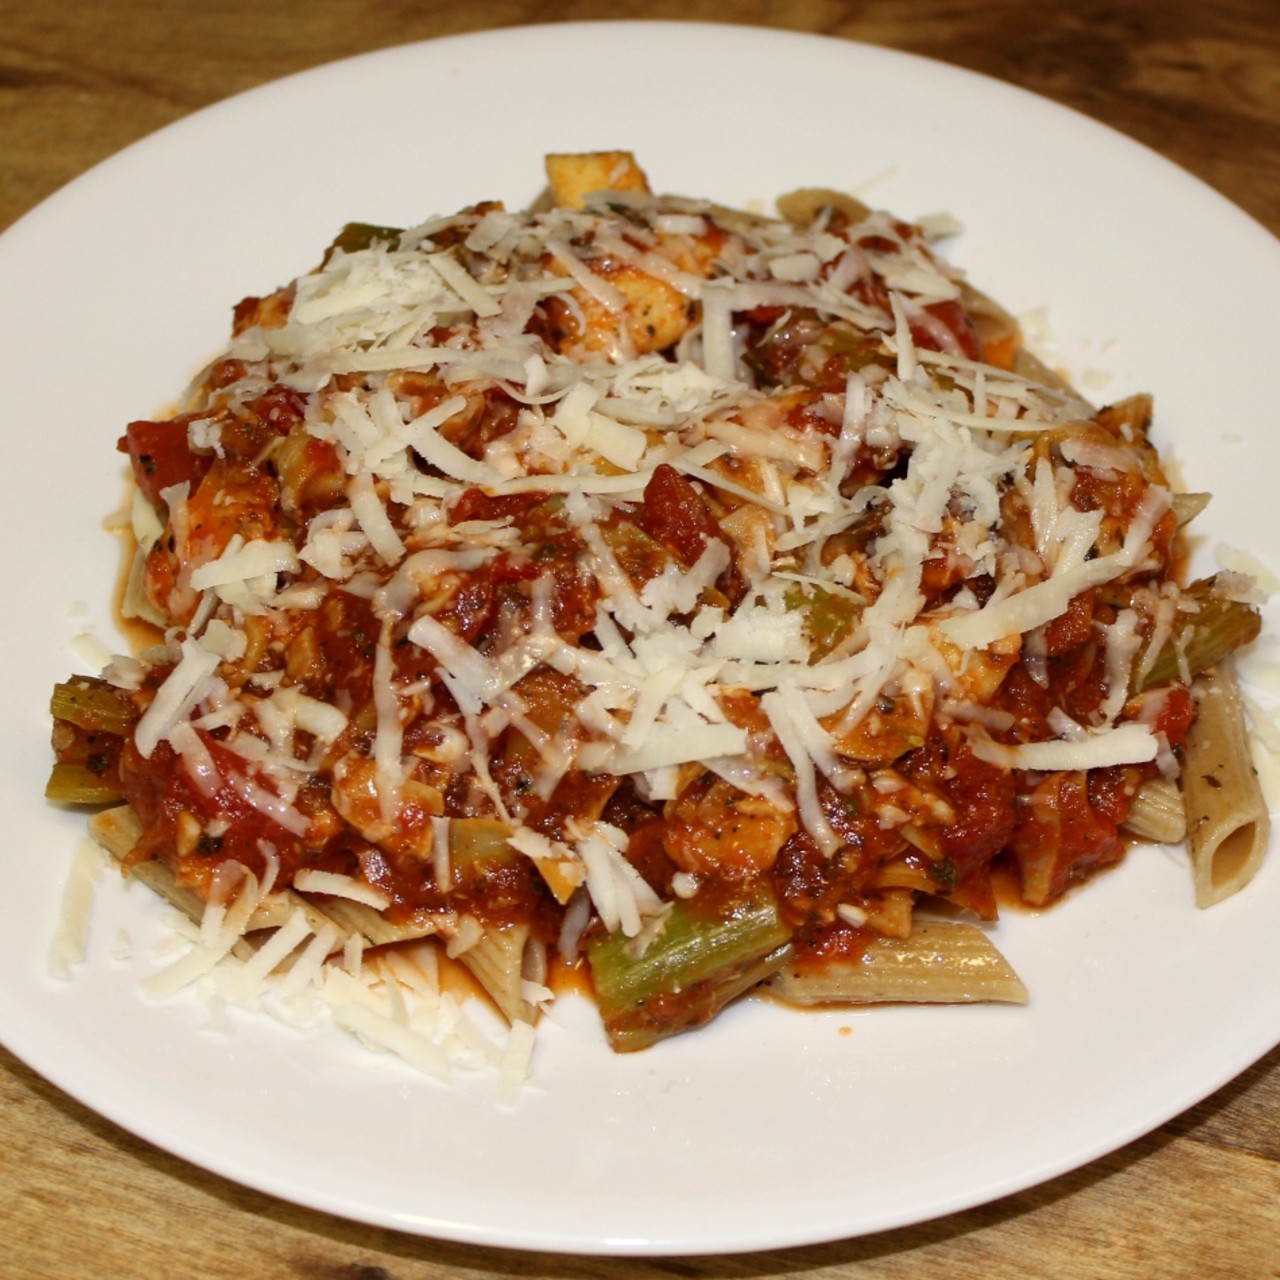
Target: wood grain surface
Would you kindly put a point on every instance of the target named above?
(1200, 1197)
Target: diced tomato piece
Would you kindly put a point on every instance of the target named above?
(161, 455)
(1070, 828)
(1177, 715)
(675, 514)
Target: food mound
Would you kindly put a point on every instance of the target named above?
(701, 600)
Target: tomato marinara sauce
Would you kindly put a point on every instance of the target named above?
(698, 599)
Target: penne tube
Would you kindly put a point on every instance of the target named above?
(1158, 813)
(1227, 820)
(496, 961)
(804, 206)
(376, 929)
(1186, 506)
(117, 831)
(943, 962)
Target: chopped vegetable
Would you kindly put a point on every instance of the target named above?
(696, 965)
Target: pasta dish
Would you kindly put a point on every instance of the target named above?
(704, 601)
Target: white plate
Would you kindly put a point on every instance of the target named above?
(771, 1127)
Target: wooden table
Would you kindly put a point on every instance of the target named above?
(1201, 1196)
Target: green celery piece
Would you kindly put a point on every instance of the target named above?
(828, 617)
(640, 554)
(696, 965)
(91, 705)
(356, 236)
(78, 784)
(1203, 638)
(478, 840)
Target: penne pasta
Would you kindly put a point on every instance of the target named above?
(1228, 825)
(1158, 812)
(942, 962)
(378, 931)
(1186, 506)
(496, 961)
(117, 830)
(805, 206)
